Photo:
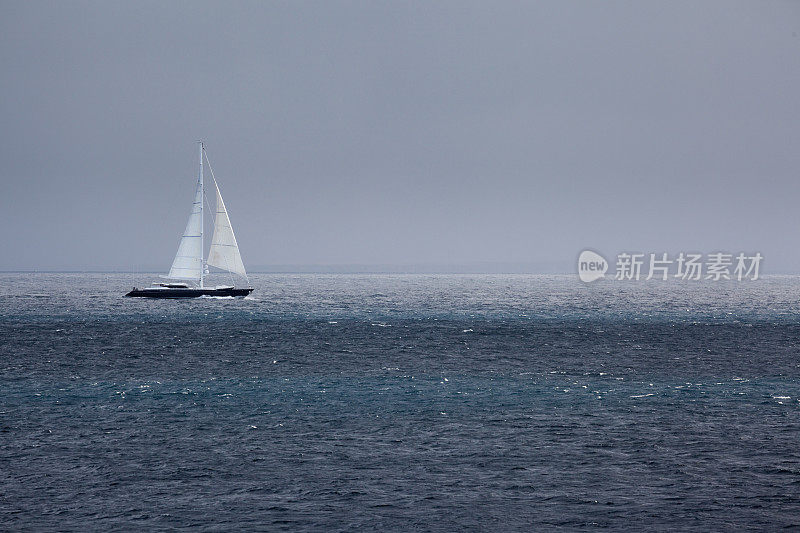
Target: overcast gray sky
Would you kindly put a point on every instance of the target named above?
(400, 132)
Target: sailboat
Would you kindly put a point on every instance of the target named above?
(188, 265)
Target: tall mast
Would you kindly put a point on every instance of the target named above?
(202, 199)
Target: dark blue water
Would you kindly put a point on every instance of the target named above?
(339, 403)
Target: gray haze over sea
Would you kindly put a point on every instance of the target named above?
(400, 132)
(432, 402)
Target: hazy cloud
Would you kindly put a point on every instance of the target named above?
(400, 132)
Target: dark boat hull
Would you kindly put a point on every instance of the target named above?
(187, 293)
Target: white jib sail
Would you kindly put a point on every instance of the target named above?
(188, 263)
(224, 252)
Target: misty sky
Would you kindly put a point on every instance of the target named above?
(400, 132)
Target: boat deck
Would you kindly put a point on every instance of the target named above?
(188, 292)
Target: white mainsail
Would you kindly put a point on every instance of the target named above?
(188, 263)
(224, 252)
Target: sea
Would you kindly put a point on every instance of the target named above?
(357, 402)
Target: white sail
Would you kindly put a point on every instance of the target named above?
(224, 252)
(188, 263)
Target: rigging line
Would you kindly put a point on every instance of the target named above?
(216, 213)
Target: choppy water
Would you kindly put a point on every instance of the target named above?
(349, 402)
